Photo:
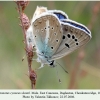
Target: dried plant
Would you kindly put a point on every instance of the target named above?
(25, 23)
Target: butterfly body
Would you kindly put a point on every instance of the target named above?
(54, 35)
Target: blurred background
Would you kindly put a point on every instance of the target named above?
(83, 65)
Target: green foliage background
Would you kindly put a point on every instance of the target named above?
(13, 72)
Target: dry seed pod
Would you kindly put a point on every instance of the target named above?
(23, 3)
(25, 20)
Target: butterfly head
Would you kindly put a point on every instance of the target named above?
(43, 59)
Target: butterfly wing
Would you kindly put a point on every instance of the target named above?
(74, 36)
(60, 14)
(47, 34)
(29, 36)
(29, 33)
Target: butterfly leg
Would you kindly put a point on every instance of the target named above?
(42, 65)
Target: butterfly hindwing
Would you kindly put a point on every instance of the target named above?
(73, 38)
(60, 14)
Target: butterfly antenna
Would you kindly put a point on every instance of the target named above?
(57, 74)
(62, 67)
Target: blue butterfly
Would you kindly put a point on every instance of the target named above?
(54, 35)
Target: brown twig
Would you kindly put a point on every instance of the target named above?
(21, 5)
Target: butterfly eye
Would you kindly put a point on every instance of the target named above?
(52, 63)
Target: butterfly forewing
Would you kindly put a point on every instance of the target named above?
(73, 38)
(47, 33)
